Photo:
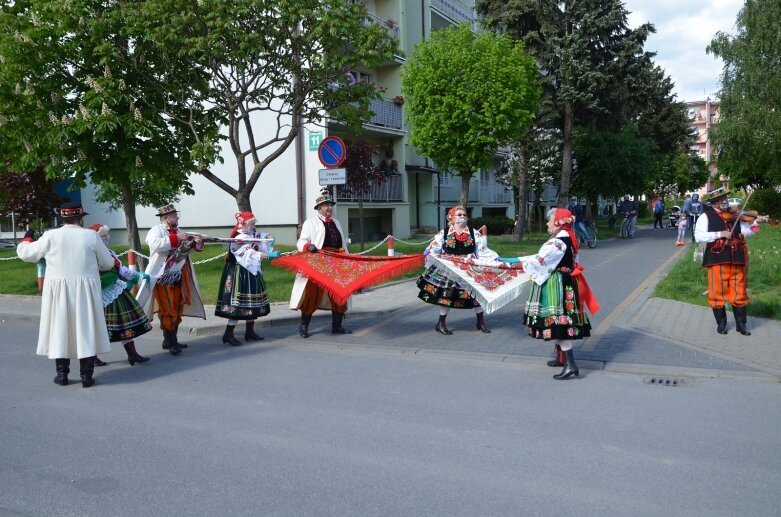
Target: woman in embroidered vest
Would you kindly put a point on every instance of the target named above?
(125, 318)
(554, 310)
(242, 294)
(435, 288)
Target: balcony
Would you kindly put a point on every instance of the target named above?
(480, 192)
(456, 11)
(389, 191)
(390, 26)
(385, 114)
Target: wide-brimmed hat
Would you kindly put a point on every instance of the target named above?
(717, 197)
(166, 209)
(324, 197)
(72, 210)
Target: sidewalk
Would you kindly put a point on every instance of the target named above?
(657, 327)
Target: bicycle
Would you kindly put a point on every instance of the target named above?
(626, 224)
(590, 237)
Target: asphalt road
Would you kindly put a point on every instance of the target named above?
(293, 428)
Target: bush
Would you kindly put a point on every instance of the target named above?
(766, 201)
(497, 225)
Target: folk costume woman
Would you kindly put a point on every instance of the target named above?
(125, 318)
(435, 288)
(554, 310)
(242, 294)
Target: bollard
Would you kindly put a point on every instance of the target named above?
(131, 264)
(391, 250)
(484, 230)
(40, 267)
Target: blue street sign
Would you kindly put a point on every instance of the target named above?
(332, 152)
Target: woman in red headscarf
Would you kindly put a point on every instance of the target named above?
(555, 309)
(242, 294)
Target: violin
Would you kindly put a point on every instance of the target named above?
(747, 216)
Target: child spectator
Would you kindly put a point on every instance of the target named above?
(683, 224)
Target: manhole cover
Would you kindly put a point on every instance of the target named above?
(666, 381)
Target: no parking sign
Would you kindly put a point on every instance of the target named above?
(332, 152)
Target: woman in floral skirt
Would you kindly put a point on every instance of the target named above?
(435, 288)
(242, 294)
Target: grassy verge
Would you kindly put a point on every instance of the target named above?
(17, 277)
(686, 282)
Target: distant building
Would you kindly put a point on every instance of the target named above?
(702, 116)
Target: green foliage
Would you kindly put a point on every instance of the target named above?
(467, 96)
(497, 225)
(687, 280)
(766, 201)
(748, 135)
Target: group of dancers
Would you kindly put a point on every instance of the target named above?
(86, 300)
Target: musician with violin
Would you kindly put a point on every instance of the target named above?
(724, 227)
(174, 287)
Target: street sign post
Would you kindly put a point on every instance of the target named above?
(332, 152)
(332, 176)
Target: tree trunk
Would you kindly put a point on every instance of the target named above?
(538, 210)
(464, 198)
(360, 221)
(566, 151)
(129, 207)
(243, 202)
(520, 225)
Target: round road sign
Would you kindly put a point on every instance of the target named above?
(332, 152)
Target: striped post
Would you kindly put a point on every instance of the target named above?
(131, 264)
(40, 267)
(391, 250)
(484, 230)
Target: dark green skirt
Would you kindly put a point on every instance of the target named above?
(242, 295)
(552, 311)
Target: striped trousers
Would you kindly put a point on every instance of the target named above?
(727, 284)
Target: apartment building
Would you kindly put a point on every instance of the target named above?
(702, 116)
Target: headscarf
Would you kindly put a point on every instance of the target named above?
(451, 214)
(241, 218)
(564, 219)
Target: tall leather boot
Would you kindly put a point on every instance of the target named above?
(134, 357)
(100, 362)
(249, 332)
(63, 369)
(481, 323)
(559, 361)
(176, 339)
(170, 344)
(303, 328)
(740, 320)
(442, 326)
(336, 324)
(86, 368)
(720, 313)
(570, 368)
(228, 337)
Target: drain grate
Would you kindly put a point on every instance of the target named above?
(666, 381)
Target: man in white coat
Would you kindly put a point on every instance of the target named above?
(321, 231)
(72, 320)
(173, 291)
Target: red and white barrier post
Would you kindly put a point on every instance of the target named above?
(391, 250)
(131, 264)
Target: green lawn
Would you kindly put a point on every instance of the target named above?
(686, 282)
(17, 277)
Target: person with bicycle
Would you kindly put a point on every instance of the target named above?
(582, 230)
(628, 209)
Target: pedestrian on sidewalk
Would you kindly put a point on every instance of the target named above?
(658, 212)
(555, 310)
(173, 289)
(125, 318)
(726, 258)
(435, 288)
(242, 292)
(683, 224)
(72, 321)
(322, 231)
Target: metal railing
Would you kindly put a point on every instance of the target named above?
(483, 192)
(390, 26)
(385, 113)
(388, 191)
(456, 11)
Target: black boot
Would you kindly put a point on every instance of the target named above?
(720, 313)
(570, 368)
(249, 332)
(559, 361)
(442, 326)
(227, 337)
(303, 329)
(98, 362)
(336, 324)
(86, 368)
(170, 344)
(740, 320)
(176, 339)
(134, 357)
(63, 369)
(481, 323)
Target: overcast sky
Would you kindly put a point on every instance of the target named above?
(683, 30)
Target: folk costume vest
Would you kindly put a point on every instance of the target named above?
(719, 251)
